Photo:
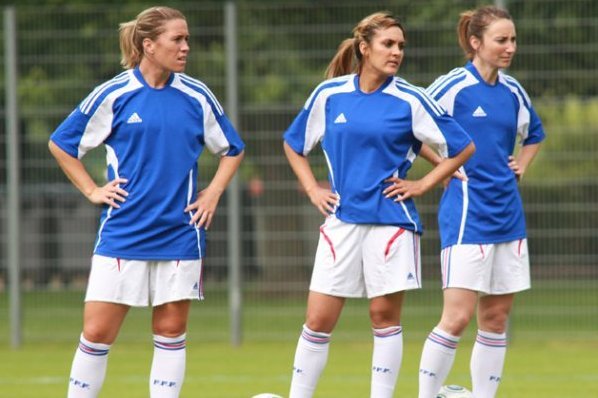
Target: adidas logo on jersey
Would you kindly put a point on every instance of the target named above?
(340, 119)
(134, 118)
(479, 112)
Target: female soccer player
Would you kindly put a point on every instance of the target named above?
(154, 122)
(482, 227)
(371, 126)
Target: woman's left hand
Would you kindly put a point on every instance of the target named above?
(204, 208)
(403, 189)
(516, 167)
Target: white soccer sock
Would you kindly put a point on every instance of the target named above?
(168, 366)
(487, 361)
(310, 359)
(88, 369)
(436, 362)
(386, 361)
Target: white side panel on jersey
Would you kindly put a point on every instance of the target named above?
(423, 125)
(316, 120)
(524, 116)
(99, 126)
(214, 137)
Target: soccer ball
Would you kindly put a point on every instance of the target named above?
(454, 391)
(266, 395)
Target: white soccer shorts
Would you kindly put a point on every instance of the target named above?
(364, 260)
(141, 283)
(499, 268)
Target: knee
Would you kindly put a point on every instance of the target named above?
(495, 321)
(96, 333)
(384, 317)
(319, 323)
(456, 323)
(169, 328)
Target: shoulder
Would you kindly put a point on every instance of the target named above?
(194, 88)
(99, 94)
(512, 84)
(416, 96)
(456, 79)
(181, 79)
(331, 86)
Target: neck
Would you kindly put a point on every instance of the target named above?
(155, 77)
(370, 82)
(488, 73)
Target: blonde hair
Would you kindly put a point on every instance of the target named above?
(149, 24)
(348, 57)
(474, 23)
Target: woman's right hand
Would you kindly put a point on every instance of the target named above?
(457, 174)
(109, 194)
(324, 199)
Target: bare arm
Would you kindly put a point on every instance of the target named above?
(403, 189)
(430, 155)
(524, 159)
(434, 159)
(74, 169)
(207, 200)
(322, 198)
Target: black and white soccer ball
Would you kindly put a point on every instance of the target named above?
(454, 391)
(267, 395)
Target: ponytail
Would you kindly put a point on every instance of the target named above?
(344, 61)
(463, 34)
(130, 52)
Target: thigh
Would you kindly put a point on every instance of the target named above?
(175, 280)
(170, 319)
(119, 281)
(467, 266)
(510, 268)
(391, 260)
(323, 311)
(102, 321)
(338, 269)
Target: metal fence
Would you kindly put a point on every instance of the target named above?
(283, 49)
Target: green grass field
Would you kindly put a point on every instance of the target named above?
(553, 351)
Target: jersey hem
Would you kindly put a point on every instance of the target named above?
(406, 226)
(146, 257)
(486, 242)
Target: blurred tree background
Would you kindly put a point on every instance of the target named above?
(66, 47)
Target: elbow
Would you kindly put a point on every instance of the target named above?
(52, 147)
(468, 151)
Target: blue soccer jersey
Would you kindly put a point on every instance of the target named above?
(487, 208)
(369, 137)
(153, 138)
